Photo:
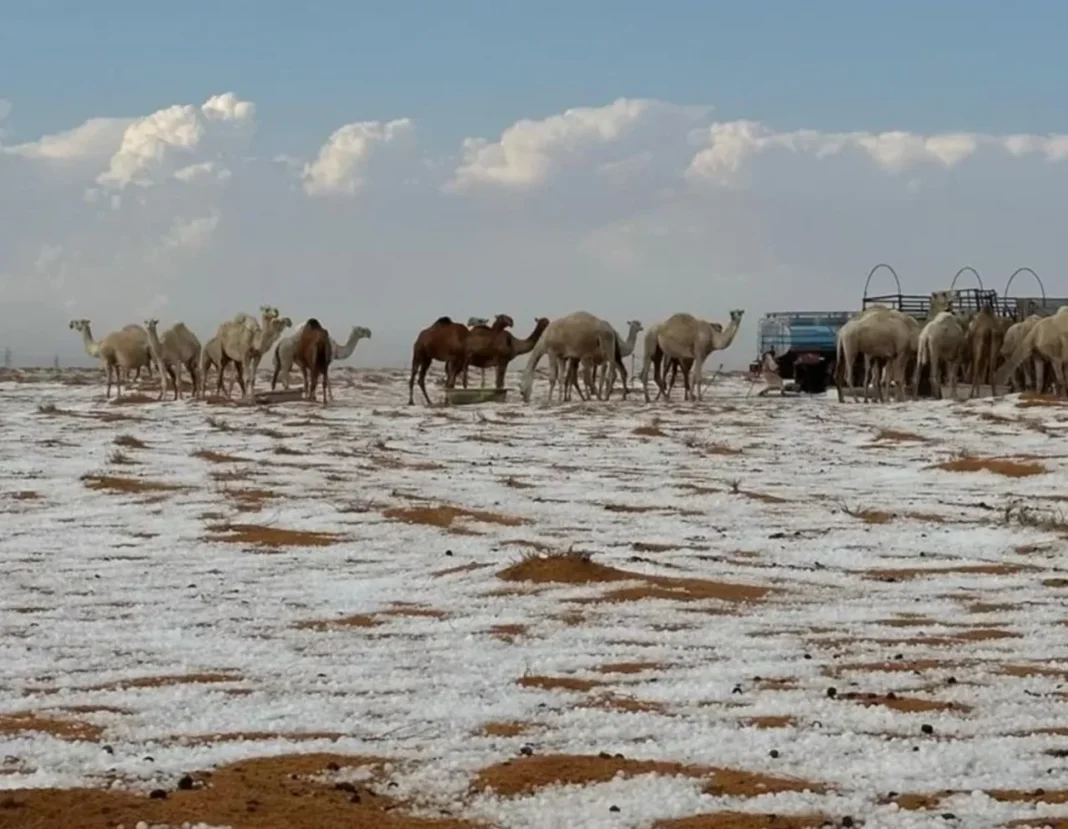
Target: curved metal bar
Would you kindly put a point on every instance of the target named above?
(871, 273)
(978, 278)
(1035, 275)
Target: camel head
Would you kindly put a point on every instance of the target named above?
(285, 323)
(361, 333)
(269, 312)
(150, 325)
(79, 325)
(473, 321)
(634, 325)
(502, 321)
(941, 301)
(736, 315)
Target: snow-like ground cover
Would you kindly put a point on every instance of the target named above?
(585, 615)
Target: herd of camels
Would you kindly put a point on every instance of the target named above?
(983, 348)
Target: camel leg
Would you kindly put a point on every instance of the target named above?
(423, 369)
(326, 384)
(411, 379)
(107, 393)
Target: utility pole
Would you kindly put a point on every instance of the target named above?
(55, 362)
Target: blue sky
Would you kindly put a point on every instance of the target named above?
(464, 67)
(384, 163)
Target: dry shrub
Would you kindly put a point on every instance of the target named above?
(51, 409)
(1000, 466)
(285, 450)
(297, 791)
(24, 495)
(577, 568)
(652, 547)
(651, 429)
(217, 457)
(28, 721)
(763, 496)
(250, 499)
(629, 508)
(121, 459)
(526, 775)
(444, 516)
(1050, 520)
(515, 483)
(869, 516)
(111, 483)
(130, 442)
(261, 536)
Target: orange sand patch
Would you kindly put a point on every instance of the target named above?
(111, 483)
(902, 573)
(444, 516)
(24, 495)
(627, 705)
(505, 729)
(526, 775)
(744, 820)
(357, 621)
(266, 793)
(508, 633)
(28, 721)
(558, 683)
(629, 667)
(165, 680)
(906, 705)
(896, 436)
(770, 721)
(259, 535)
(575, 568)
(999, 466)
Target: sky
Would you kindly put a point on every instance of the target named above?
(386, 163)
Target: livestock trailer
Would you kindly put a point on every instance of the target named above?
(805, 342)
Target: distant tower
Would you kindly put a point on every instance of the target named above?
(55, 362)
(7, 358)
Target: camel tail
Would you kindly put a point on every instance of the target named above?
(1021, 353)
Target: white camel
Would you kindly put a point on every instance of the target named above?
(1024, 376)
(576, 335)
(243, 341)
(591, 367)
(941, 343)
(884, 336)
(683, 337)
(1047, 340)
(284, 353)
(92, 348)
(176, 348)
(121, 351)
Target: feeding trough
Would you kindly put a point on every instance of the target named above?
(463, 397)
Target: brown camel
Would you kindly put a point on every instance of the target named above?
(444, 341)
(312, 355)
(509, 347)
(484, 342)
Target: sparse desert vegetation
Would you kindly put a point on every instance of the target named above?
(637, 615)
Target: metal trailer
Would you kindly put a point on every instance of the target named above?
(805, 343)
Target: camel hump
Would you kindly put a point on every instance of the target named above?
(443, 321)
(313, 324)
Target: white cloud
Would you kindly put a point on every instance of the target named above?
(191, 234)
(342, 161)
(634, 209)
(529, 153)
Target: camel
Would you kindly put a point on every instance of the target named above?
(211, 355)
(1024, 376)
(579, 334)
(283, 354)
(1047, 340)
(178, 347)
(93, 348)
(472, 322)
(984, 339)
(683, 336)
(312, 355)
(444, 341)
(590, 366)
(121, 351)
(243, 342)
(941, 341)
(884, 336)
(652, 355)
(506, 347)
(484, 343)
